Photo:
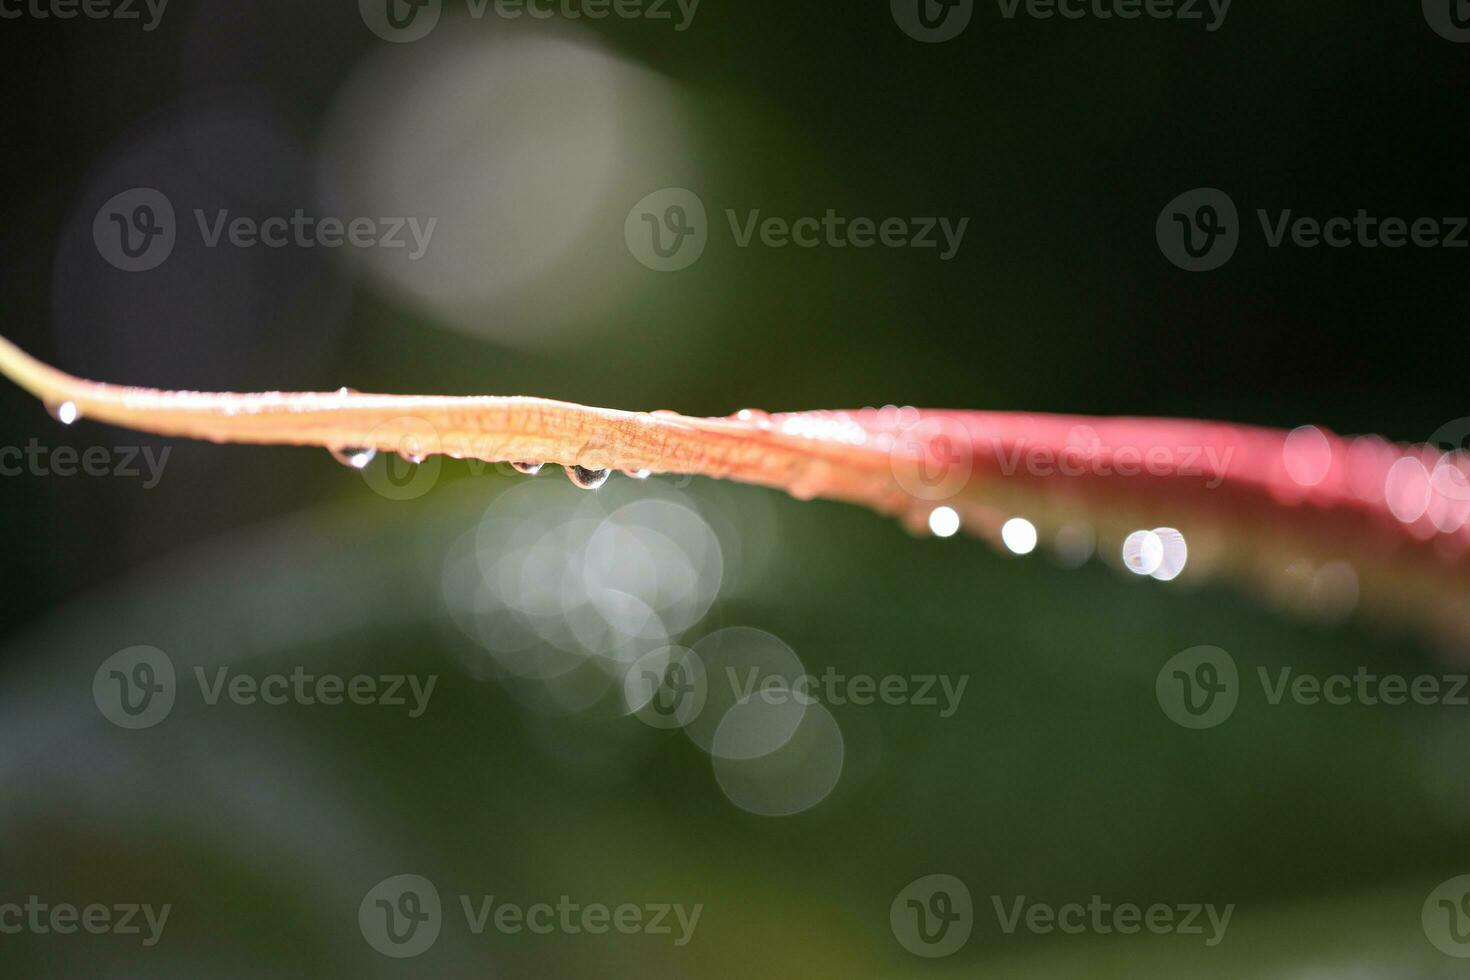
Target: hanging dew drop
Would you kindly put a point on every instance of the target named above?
(411, 451)
(638, 474)
(754, 416)
(357, 457)
(587, 479)
(64, 412)
(527, 466)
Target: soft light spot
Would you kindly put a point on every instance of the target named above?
(525, 141)
(1407, 489)
(1074, 545)
(799, 774)
(1174, 556)
(1450, 483)
(1143, 552)
(1019, 535)
(1307, 455)
(66, 413)
(944, 522)
(746, 665)
(1334, 591)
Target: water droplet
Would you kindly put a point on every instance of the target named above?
(638, 474)
(1175, 554)
(356, 457)
(526, 466)
(1143, 552)
(66, 412)
(1019, 536)
(944, 522)
(410, 450)
(756, 417)
(587, 479)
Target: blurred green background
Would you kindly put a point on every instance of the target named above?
(1058, 777)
